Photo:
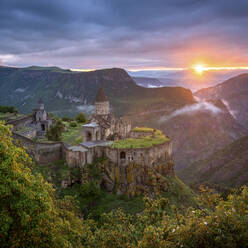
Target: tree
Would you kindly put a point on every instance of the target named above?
(81, 118)
(8, 109)
(30, 216)
(54, 133)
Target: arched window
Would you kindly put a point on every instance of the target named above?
(43, 127)
(122, 155)
(88, 136)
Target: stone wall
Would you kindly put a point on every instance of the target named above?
(27, 143)
(46, 153)
(42, 152)
(20, 123)
(102, 108)
(142, 156)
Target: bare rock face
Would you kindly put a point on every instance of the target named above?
(132, 179)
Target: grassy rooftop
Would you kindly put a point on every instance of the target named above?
(72, 135)
(143, 129)
(144, 142)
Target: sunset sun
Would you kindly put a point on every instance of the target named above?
(199, 69)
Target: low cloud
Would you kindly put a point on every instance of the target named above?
(232, 112)
(86, 108)
(192, 109)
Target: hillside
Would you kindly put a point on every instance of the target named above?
(234, 92)
(196, 130)
(228, 166)
(66, 92)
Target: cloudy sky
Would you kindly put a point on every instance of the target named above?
(132, 34)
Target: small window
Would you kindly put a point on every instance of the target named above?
(43, 127)
(88, 136)
(122, 155)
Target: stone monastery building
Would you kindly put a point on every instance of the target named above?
(104, 130)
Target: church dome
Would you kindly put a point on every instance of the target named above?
(101, 97)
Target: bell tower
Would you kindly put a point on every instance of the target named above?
(101, 103)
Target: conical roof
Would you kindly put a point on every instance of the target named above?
(101, 97)
(40, 101)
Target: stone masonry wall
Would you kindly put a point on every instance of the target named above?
(20, 123)
(142, 156)
(42, 153)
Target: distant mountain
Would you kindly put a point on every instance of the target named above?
(149, 82)
(228, 166)
(188, 78)
(197, 130)
(66, 93)
(234, 93)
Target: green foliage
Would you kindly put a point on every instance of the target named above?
(218, 224)
(157, 138)
(73, 124)
(8, 109)
(72, 135)
(55, 131)
(143, 129)
(67, 119)
(30, 214)
(80, 118)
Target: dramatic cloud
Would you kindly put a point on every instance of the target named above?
(123, 33)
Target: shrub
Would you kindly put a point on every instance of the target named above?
(73, 124)
(55, 131)
(8, 109)
(81, 118)
(67, 119)
(31, 216)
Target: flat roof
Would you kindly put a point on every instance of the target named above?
(92, 124)
(77, 149)
(91, 144)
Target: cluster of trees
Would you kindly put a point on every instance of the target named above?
(8, 109)
(32, 216)
(55, 131)
(80, 118)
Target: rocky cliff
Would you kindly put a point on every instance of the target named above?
(131, 180)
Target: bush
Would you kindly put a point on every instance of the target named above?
(67, 119)
(81, 118)
(73, 124)
(8, 109)
(31, 215)
(55, 131)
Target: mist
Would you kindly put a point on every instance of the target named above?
(201, 105)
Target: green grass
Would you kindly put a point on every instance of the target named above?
(10, 116)
(143, 129)
(144, 142)
(179, 194)
(104, 203)
(72, 135)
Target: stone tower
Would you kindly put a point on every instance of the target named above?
(41, 104)
(101, 103)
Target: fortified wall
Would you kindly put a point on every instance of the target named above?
(42, 152)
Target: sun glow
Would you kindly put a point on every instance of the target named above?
(199, 68)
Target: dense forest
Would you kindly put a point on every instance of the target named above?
(33, 215)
